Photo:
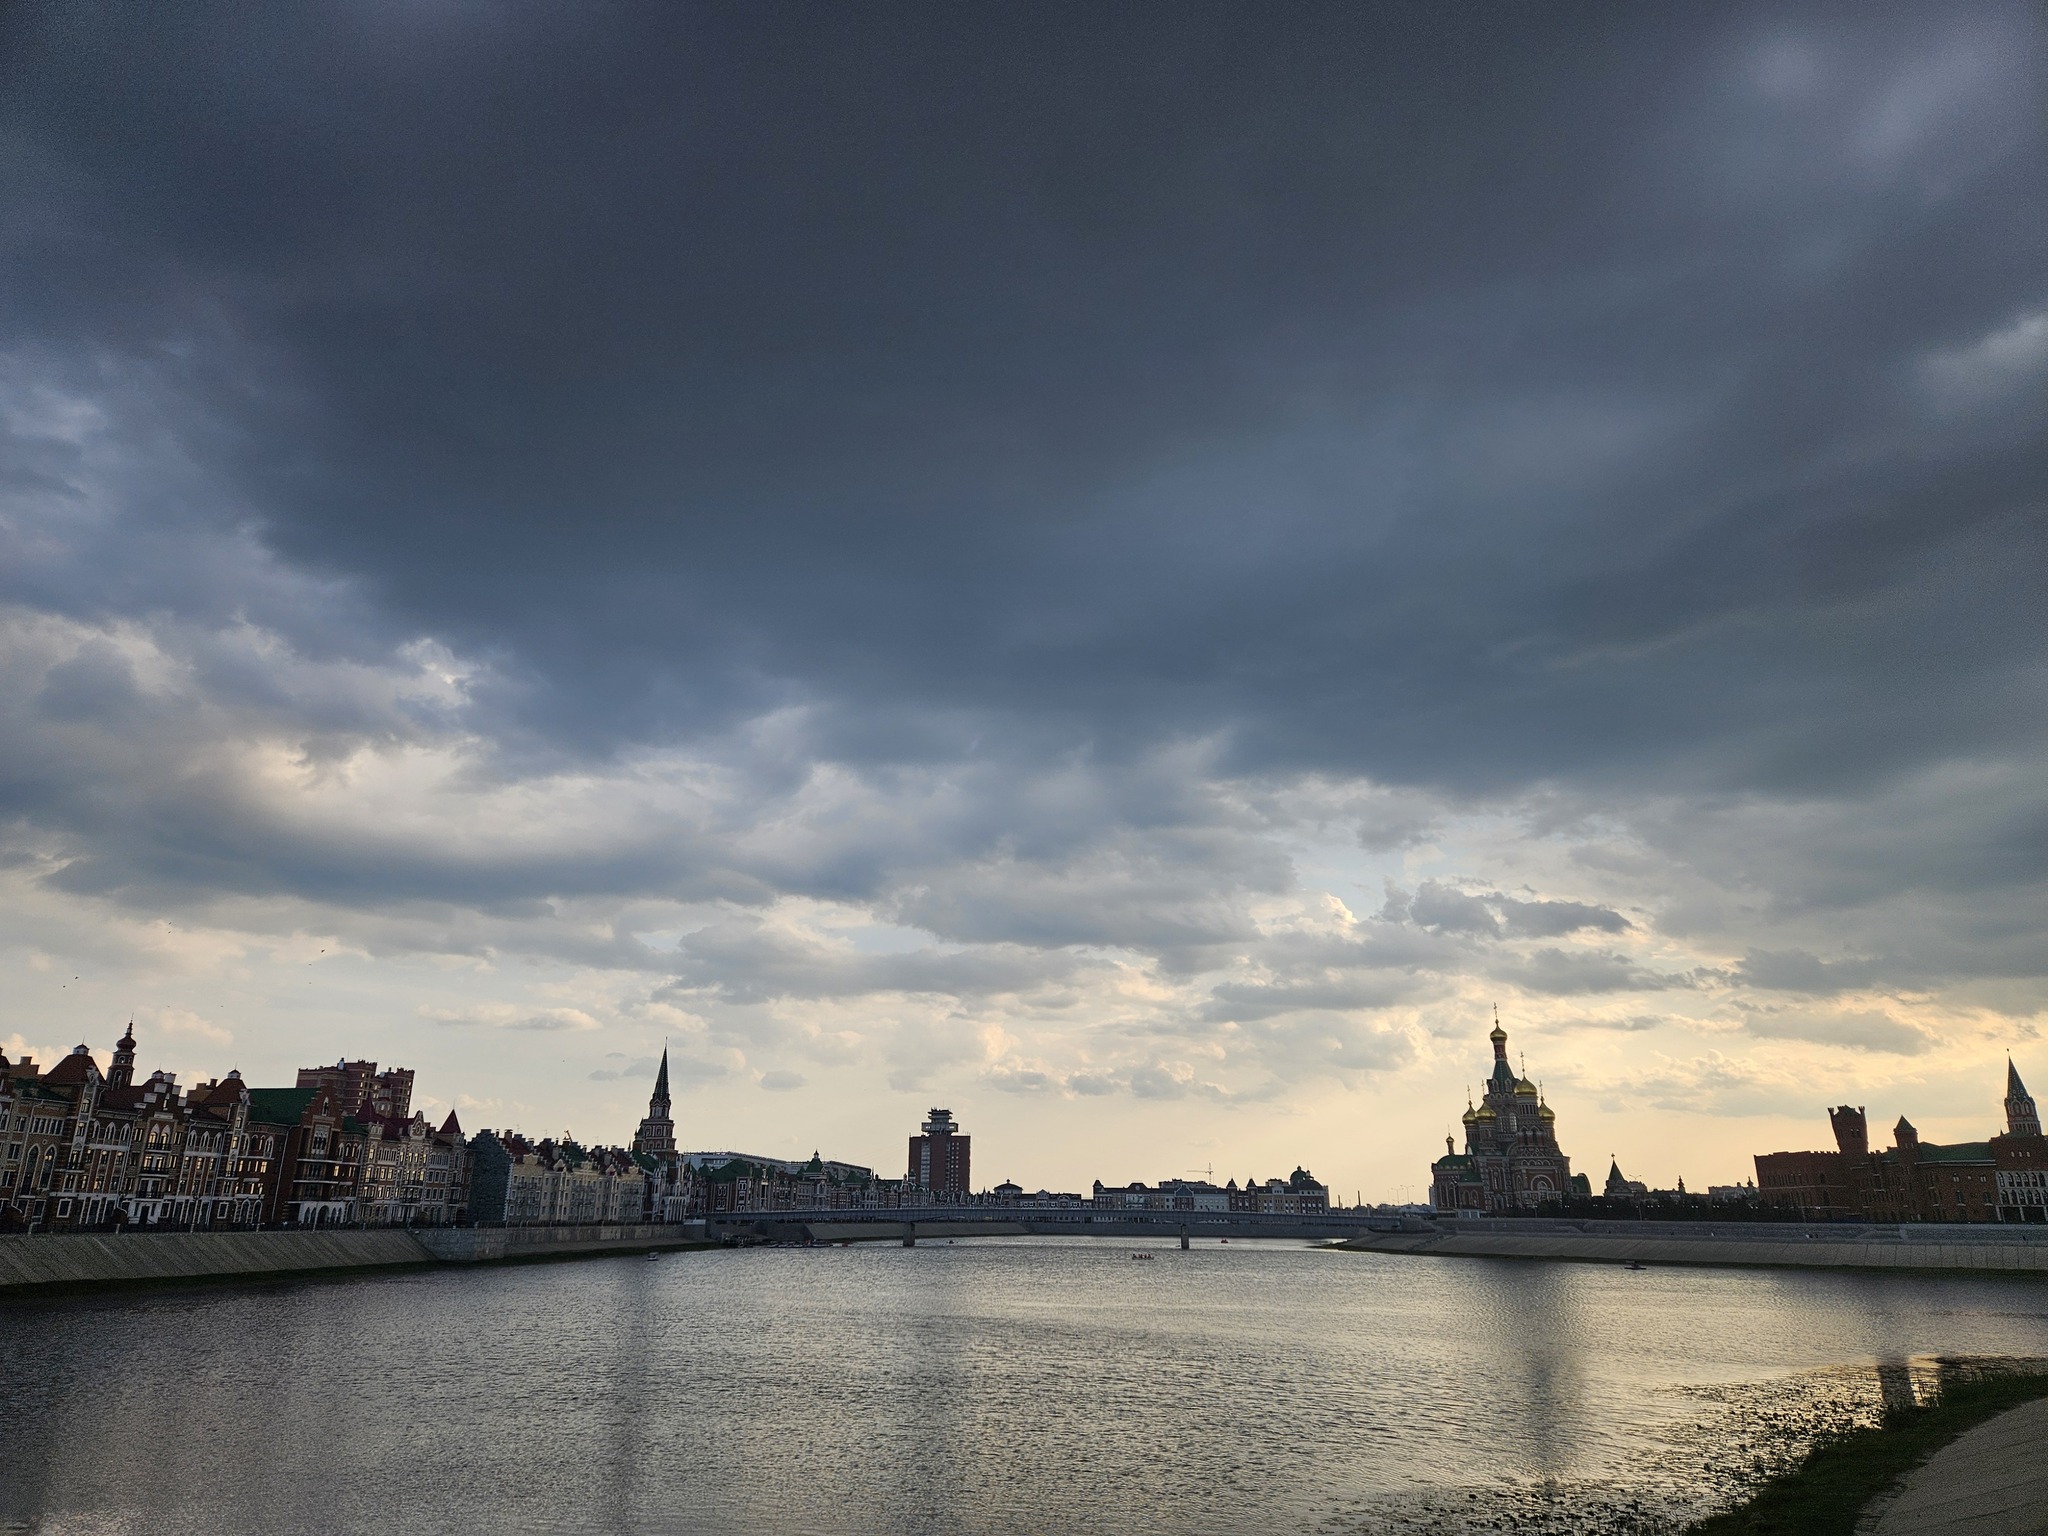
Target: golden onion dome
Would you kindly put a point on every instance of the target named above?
(1523, 1085)
(1484, 1112)
(1546, 1111)
(1471, 1115)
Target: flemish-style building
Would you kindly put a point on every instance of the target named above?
(520, 1182)
(84, 1149)
(1299, 1194)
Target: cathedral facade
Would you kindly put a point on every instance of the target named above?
(1511, 1160)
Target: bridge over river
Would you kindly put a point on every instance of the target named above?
(914, 1224)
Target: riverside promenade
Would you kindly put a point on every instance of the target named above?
(1975, 1247)
(38, 1262)
(1990, 1481)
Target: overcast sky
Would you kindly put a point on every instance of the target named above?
(1128, 570)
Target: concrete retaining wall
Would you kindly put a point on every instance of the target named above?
(27, 1262)
(477, 1245)
(98, 1259)
(924, 1231)
(1815, 1253)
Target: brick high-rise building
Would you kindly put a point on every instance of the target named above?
(938, 1157)
(356, 1084)
(346, 1082)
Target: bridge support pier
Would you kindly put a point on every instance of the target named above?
(1183, 1237)
(910, 1235)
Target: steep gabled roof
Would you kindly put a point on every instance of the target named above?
(78, 1067)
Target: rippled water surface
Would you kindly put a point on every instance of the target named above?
(1020, 1385)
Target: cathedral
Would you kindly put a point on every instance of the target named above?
(1511, 1161)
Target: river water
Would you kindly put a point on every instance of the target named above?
(1019, 1385)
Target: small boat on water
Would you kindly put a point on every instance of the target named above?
(1145, 1256)
(652, 1257)
(1635, 1264)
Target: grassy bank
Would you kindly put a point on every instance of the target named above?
(1825, 1493)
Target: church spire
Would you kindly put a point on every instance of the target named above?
(122, 1073)
(2021, 1118)
(657, 1133)
(1502, 1078)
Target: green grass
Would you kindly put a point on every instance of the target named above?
(1823, 1495)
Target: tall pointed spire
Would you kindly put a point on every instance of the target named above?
(657, 1134)
(2021, 1118)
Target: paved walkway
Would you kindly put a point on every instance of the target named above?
(1992, 1481)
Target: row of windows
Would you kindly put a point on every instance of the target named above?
(33, 1125)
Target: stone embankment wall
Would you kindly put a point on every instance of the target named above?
(1950, 1248)
(479, 1245)
(87, 1259)
(892, 1231)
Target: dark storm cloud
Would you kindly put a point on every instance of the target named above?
(1453, 395)
(740, 960)
(1011, 453)
(1443, 908)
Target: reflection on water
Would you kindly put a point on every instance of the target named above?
(1006, 1386)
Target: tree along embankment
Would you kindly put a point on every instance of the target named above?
(1978, 1249)
(1845, 1482)
(30, 1263)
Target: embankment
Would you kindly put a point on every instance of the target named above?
(922, 1231)
(1947, 1248)
(32, 1263)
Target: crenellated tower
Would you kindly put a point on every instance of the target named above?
(1852, 1129)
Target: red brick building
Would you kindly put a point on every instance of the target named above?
(2002, 1179)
